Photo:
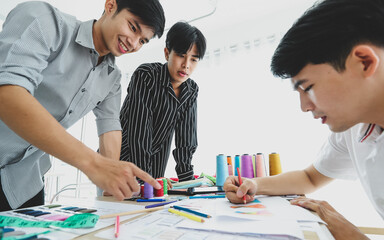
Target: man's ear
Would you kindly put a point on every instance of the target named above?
(366, 58)
(166, 54)
(110, 6)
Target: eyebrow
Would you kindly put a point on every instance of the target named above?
(298, 83)
(196, 56)
(138, 26)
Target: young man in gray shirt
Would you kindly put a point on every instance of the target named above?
(53, 70)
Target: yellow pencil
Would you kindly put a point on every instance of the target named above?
(192, 217)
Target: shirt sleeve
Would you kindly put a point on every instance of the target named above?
(186, 142)
(136, 122)
(107, 111)
(334, 160)
(31, 32)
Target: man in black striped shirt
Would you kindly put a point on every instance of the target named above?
(161, 100)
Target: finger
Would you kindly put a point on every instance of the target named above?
(230, 185)
(169, 183)
(308, 204)
(245, 188)
(133, 184)
(117, 194)
(232, 197)
(126, 190)
(145, 176)
(105, 193)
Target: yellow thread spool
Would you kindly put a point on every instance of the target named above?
(274, 164)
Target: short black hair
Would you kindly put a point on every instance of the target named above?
(326, 33)
(181, 37)
(150, 12)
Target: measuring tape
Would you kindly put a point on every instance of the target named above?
(84, 220)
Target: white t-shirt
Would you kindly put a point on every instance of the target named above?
(357, 153)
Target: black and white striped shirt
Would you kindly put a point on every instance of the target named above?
(151, 113)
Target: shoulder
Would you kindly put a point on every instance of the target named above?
(150, 68)
(48, 18)
(34, 10)
(149, 72)
(194, 86)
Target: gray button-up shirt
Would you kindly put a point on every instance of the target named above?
(51, 54)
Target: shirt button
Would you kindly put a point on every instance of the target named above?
(98, 103)
(83, 90)
(90, 51)
(30, 148)
(70, 112)
(93, 69)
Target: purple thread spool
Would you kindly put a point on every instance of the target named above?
(246, 166)
(148, 190)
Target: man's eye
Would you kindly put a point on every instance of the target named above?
(308, 88)
(142, 42)
(133, 28)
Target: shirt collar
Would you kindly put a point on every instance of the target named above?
(369, 132)
(84, 37)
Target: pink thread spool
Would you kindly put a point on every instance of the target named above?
(260, 165)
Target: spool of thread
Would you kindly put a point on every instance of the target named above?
(260, 165)
(165, 186)
(246, 166)
(274, 164)
(254, 164)
(237, 163)
(230, 166)
(159, 192)
(148, 190)
(142, 190)
(221, 170)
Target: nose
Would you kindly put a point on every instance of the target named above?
(134, 43)
(305, 103)
(186, 63)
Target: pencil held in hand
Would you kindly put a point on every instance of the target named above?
(240, 182)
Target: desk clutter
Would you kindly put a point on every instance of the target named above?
(188, 218)
(204, 213)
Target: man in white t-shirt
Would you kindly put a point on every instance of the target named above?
(334, 55)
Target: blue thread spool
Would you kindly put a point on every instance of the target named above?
(237, 163)
(221, 170)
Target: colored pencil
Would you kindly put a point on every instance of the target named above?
(159, 204)
(151, 200)
(194, 218)
(192, 211)
(240, 182)
(117, 227)
(208, 196)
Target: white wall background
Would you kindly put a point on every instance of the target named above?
(242, 108)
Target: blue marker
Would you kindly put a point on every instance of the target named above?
(151, 200)
(208, 196)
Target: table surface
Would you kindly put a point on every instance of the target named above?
(307, 234)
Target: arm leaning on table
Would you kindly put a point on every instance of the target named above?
(295, 182)
(22, 113)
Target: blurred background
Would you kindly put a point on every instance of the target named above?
(242, 108)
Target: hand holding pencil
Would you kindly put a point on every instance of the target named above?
(236, 191)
